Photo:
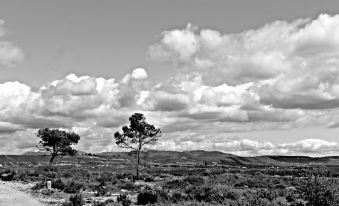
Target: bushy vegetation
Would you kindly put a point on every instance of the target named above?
(235, 186)
(73, 187)
(319, 191)
(75, 200)
(123, 199)
(147, 197)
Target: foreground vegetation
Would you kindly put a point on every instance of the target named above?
(103, 181)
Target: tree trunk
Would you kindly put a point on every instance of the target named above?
(138, 163)
(51, 160)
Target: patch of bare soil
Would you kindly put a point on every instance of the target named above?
(24, 191)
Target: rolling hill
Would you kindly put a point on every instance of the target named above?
(198, 156)
(201, 157)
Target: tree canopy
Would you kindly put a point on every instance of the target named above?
(57, 142)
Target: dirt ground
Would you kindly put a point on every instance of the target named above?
(13, 197)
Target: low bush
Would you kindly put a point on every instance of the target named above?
(73, 187)
(123, 199)
(181, 184)
(175, 184)
(177, 197)
(7, 175)
(194, 180)
(58, 184)
(128, 186)
(320, 192)
(121, 176)
(39, 185)
(204, 193)
(149, 179)
(75, 200)
(147, 197)
(107, 177)
(97, 203)
(47, 192)
(101, 189)
(109, 202)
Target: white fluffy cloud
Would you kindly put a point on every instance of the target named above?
(283, 75)
(292, 65)
(67, 102)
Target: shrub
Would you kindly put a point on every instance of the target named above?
(200, 193)
(290, 197)
(75, 200)
(58, 184)
(107, 202)
(121, 176)
(148, 179)
(67, 174)
(280, 201)
(7, 175)
(106, 177)
(163, 196)
(175, 184)
(39, 185)
(320, 192)
(147, 197)
(231, 194)
(257, 201)
(128, 186)
(101, 189)
(267, 194)
(73, 187)
(178, 197)
(97, 203)
(124, 200)
(47, 192)
(194, 180)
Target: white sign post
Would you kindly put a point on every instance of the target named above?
(49, 185)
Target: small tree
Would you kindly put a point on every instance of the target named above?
(136, 135)
(57, 142)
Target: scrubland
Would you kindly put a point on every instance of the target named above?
(93, 180)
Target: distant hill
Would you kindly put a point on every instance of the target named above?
(194, 156)
(35, 153)
(79, 153)
(201, 157)
(198, 156)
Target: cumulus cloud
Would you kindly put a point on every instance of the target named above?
(310, 146)
(177, 44)
(67, 102)
(290, 64)
(136, 74)
(280, 76)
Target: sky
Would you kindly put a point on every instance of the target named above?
(238, 76)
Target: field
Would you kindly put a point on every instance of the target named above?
(178, 178)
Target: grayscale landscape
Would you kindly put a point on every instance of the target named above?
(168, 102)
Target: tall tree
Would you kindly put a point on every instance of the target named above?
(57, 142)
(136, 135)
